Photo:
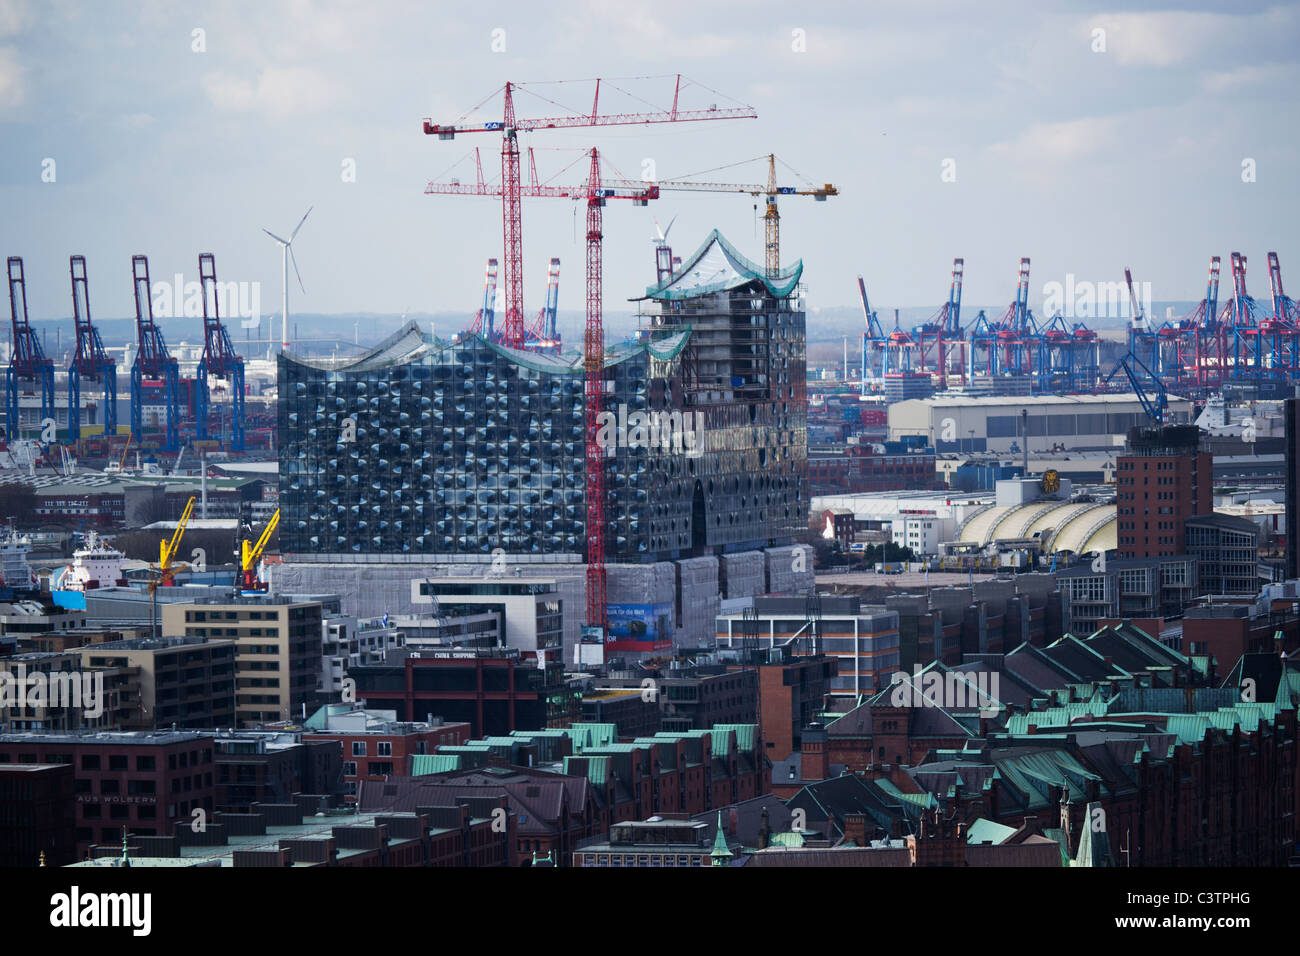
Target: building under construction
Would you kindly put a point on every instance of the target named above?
(424, 454)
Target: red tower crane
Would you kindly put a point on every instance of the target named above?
(595, 193)
(509, 126)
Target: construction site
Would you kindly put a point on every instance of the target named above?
(649, 479)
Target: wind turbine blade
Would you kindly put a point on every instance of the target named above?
(659, 233)
(275, 237)
(294, 234)
(670, 227)
(294, 260)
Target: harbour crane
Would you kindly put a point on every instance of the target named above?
(250, 554)
(511, 189)
(27, 360)
(219, 361)
(89, 361)
(154, 373)
(167, 550)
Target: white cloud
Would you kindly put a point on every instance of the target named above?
(1071, 139)
(279, 91)
(15, 15)
(1159, 39)
(13, 91)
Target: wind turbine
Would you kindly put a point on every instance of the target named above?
(286, 253)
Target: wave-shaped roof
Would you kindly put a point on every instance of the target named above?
(409, 344)
(717, 266)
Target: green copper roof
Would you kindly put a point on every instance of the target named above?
(586, 735)
(988, 831)
(423, 764)
(597, 767)
(720, 842)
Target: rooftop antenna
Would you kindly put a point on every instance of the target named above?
(286, 253)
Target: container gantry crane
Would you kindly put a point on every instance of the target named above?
(943, 331)
(27, 360)
(1283, 327)
(89, 361)
(873, 343)
(1005, 343)
(218, 361)
(510, 126)
(154, 373)
(542, 334)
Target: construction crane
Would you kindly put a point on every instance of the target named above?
(511, 191)
(250, 554)
(27, 361)
(770, 191)
(219, 361)
(90, 360)
(168, 549)
(154, 372)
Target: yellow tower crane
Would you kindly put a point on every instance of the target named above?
(771, 190)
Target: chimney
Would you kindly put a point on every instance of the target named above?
(855, 828)
(1032, 729)
(733, 821)
(764, 832)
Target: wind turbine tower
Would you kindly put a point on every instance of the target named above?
(286, 253)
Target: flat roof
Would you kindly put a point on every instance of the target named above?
(965, 401)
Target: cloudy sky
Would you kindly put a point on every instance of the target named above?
(1086, 137)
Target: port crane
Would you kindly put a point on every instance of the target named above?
(27, 362)
(250, 554)
(219, 361)
(873, 339)
(511, 188)
(943, 331)
(168, 549)
(1135, 370)
(90, 360)
(154, 373)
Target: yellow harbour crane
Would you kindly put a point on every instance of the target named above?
(167, 550)
(250, 554)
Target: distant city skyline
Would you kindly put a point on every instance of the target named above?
(1145, 137)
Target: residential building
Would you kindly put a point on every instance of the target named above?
(278, 650)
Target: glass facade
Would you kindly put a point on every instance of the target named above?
(455, 449)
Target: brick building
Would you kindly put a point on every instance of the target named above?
(37, 815)
(147, 782)
(1163, 478)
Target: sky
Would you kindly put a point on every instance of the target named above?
(1086, 137)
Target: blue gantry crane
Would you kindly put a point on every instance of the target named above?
(89, 361)
(27, 360)
(155, 375)
(1135, 369)
(219, 361)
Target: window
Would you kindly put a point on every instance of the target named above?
(384, 748)
(358, 748)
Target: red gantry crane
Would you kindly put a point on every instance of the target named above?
(510, 125)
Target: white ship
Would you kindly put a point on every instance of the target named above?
(94, 565)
